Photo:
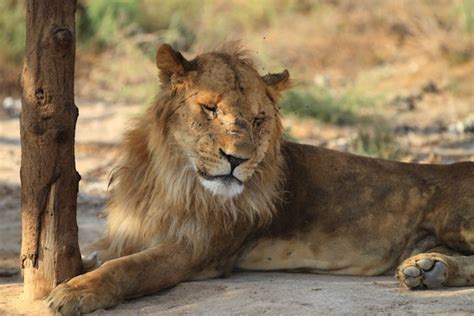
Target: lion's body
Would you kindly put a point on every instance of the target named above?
(346, 214)
(205, 186)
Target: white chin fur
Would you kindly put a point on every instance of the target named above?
(218, 187)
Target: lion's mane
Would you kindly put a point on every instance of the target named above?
(157, 197)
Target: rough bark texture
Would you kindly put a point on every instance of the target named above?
(49, 180)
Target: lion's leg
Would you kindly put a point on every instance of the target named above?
(142, 273)
(434, 269)
(453, 223)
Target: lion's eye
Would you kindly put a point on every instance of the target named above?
(210, 110)
(258, 121)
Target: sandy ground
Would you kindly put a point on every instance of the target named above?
(279, 294)
(99, 130)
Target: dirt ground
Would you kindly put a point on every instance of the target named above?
(99, 129)
(278, 294)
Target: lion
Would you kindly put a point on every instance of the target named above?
(205, 185)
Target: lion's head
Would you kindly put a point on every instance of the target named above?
(206, 154)
(223, 116)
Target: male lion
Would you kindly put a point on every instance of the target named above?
(206, 185)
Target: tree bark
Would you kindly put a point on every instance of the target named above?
(49, 180)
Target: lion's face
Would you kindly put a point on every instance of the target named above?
(226, 120)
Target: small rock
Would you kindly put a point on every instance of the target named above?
(12, 106)
(430, 87)
(465, 126)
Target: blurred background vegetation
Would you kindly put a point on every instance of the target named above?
(384, 78)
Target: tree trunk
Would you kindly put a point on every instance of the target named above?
(49, 180)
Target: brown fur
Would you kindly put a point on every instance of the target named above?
(205, 186)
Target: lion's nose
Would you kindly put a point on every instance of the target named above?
(234, 161)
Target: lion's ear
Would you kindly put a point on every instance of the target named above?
(278, 82)
(169, 62)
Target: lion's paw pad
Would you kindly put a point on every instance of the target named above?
(423, 273)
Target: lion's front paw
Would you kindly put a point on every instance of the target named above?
(65, 300)
(423, 271)
(74, 298)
